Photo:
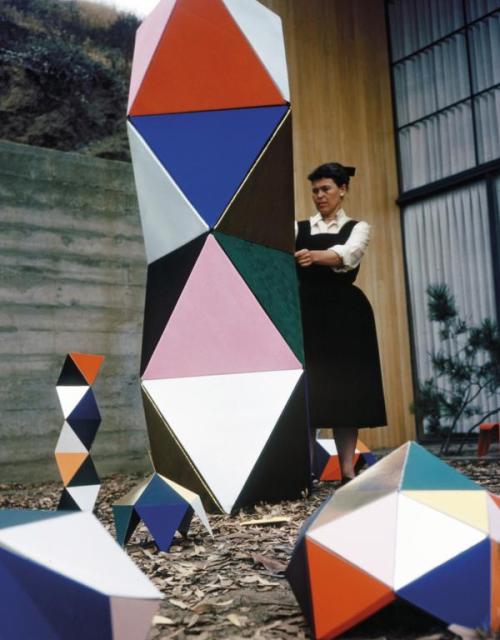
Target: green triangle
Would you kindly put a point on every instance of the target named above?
(17, 517)
(424, 471)
(126, 520)
(271, 276)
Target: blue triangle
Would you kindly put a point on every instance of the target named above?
(42, 604)
(209, 153)
(458, 591)
(158, 492)
(426, 472)
(15, 517)
(162, 522)
(86, 409)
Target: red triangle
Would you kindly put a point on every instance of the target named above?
(203, 62)
(342, 595)
(88, 363)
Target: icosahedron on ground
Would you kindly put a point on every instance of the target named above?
(410, 527)
(222, 357)
(326, 459)
(164, 506)
(82, 419)
(63, 576)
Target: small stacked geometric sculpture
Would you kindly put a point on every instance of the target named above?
(326, 459)
(410, 528)
(82, 419)
(210, 134)
(63, 576)
(164, 506)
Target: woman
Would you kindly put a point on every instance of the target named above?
(342, 360)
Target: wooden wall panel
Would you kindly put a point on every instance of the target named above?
(342, 111)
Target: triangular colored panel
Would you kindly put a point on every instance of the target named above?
(85, 475)
(85, 429)
(85, 496)
(457, 591)
(184, 525)
(170, 459)
(424, 471)
(126, 520)
(493, 517)
(209, 153)
(218, 327)
(17, 517)
(272, 277)
(342, 595)
(69, 442)
(88, 363)
(193, 500)
(166, 279)
(70, 375)
(69, 397)
(131, 619)
(297, 574)
(263, 30)
(69, 463)
(203, 62)
(427, 538)
(168, 220)
(225, 418)
(67, 502)
(263, 209)
(158, 492)
(282, 474)
(365, 537)
(134, 494)
(468, 506)
(495, 586)
(86, 409)
(162, 521)
(147, 38)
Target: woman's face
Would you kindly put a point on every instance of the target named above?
(327, 196)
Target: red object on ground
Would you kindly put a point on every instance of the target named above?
(488, 432)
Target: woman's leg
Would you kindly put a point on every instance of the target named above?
(345, 441)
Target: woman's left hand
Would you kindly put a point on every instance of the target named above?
(328, 258)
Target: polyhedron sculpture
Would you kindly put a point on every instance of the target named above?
(326, 459)
(164, 506)
(63, 576)
(222, 357)
(82, 419)
(410, 527)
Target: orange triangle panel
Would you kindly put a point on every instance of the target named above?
(203, 62)
(88, 363)
(342, 595)
(68, 464)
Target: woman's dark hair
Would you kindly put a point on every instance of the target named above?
(337, 172)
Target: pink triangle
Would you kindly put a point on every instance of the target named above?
(131, 617)
(218, 327)
(146, 40)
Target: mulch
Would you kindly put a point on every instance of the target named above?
(232, 585)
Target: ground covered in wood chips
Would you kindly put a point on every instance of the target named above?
(232, 585)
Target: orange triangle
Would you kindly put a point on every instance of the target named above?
(332, 470)
(68, 464)
(88, 363)
(203, 62)
(342, 595)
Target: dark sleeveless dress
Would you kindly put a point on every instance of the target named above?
(340, 341)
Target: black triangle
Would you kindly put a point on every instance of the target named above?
(320, 460)
(166, 279)
(86, 475)
(183, 528)
(85, 430)
(67, 503)
(283, 469)
(71, 376)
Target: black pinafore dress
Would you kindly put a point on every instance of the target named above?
(340, 341)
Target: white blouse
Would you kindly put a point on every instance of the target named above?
(354, 249)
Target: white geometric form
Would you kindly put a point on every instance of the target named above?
(85, 496)
(69, 397)
(168, 219)
(69, 442)
(427, 538)
(224, 421)
(366, 537)
(79, 547)
(264, 33)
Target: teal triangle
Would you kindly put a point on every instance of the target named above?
(272, 277)
(16, 517)
(425, 472)
(126, 520)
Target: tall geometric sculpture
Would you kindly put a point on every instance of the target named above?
(222, 359)
(82, 419)
(409, 528)
(63, 576)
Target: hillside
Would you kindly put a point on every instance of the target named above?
(64, 73)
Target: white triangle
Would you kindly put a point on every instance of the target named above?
(84, 496)
(427, 538)
(193, 499)
(69, 442)
(78, 547)
(167, 217)
(224, 421)
(69, 397)
(365, 537)
(264, 32)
